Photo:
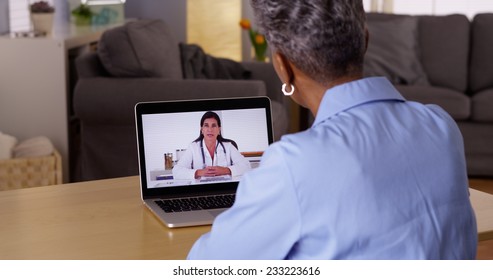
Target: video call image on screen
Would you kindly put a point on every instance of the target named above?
(167, 137)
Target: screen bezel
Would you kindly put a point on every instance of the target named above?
(181, 106)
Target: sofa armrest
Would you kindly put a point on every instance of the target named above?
(266, 73)
(88, 65)
(111, 101)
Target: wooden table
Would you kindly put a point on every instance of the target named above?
(92, 220)
(106, 220)
(483, 208)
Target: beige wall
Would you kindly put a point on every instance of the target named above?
(213, 24)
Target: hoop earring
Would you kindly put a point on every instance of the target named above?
(286, 92)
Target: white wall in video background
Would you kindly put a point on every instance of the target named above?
(165, 133)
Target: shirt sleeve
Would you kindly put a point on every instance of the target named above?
(266, 208)
(240, 163)
(183, 169)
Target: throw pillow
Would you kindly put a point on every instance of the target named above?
(199, 65)
(393, 51)
(144, 48)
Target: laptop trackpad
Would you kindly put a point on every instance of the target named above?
(191, 218)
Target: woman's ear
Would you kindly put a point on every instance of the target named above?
(283, 67)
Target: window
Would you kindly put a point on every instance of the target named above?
(442, 7)
(19, 19)
(214, 25)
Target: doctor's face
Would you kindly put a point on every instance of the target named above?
(210, 129)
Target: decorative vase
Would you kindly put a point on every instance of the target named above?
(259, 46)
(42, 22)
(260, 57)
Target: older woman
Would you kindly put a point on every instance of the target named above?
(375, 177)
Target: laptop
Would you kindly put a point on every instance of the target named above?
(166, 134)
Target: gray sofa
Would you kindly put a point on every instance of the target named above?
(137, 62)
(444, 60)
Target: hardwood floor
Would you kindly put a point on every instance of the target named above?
(485, 248)
(482, 184)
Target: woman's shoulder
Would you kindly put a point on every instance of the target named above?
(194, 144)
(302, 137)
(299, 143)
(229, 143)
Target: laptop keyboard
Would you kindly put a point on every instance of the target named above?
(196, 203)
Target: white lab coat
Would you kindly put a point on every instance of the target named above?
(192, 160)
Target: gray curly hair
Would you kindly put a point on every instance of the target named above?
(323, 38)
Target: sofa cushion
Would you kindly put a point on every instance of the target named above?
(393, 50)
(482, 104)
(478, 148)
(144, 48)
(457, 104)
(481, 76)
(444, 45)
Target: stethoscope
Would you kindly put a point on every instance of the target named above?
(215, 152)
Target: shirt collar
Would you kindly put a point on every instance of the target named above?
(204, 147)
(345, 96)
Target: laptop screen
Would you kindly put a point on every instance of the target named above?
(186, 145)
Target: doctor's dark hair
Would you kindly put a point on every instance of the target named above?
(325, 39)
(220, 138)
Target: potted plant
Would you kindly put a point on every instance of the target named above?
(82, 14)
(258, 40)
(42, 16)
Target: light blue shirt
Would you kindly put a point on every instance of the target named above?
(375, 177)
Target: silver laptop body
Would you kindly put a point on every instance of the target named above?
(166, 129)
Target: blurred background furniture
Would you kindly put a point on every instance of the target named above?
(443, 60)
(37, 81)
(19, 173)
(142, 61)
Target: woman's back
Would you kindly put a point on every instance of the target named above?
(379, 181)
(374, 178)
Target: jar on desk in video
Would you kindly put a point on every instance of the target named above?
(168, 161)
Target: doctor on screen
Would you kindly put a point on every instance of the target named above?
(210, 154)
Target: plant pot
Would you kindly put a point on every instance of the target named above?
(78, 20)
(42, 22)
